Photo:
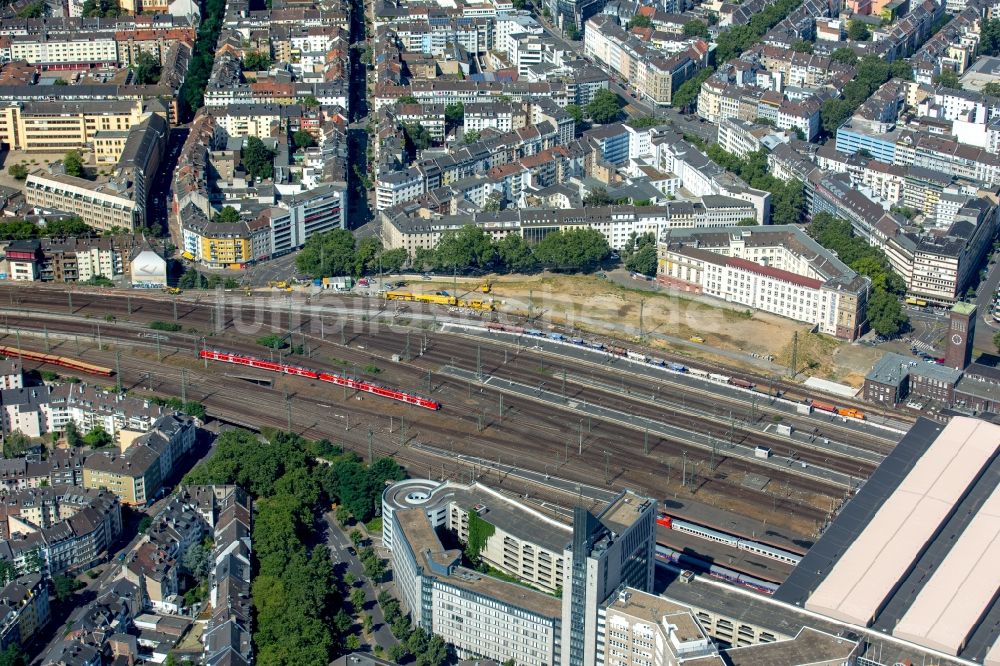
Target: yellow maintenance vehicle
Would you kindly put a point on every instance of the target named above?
(440, 298)
(171, 290)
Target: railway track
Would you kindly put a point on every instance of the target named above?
(529, 432)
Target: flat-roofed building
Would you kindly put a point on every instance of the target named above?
(60, 126)
(908, 555)
(104, 206)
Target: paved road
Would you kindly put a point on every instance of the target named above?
(338, 543)
(986, 328)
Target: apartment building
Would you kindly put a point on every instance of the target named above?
(409, 226)
(24, 610)
(777, 269)
(103, 206)
(136, 475)
(56, 127)
(67, 528)
(61, 52)
(655, 75)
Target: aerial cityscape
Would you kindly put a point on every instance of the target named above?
(500, 332)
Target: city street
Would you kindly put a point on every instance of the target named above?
(339, 543)
(986, 327)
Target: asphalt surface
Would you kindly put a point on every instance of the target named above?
(986, 327)
(340, 545)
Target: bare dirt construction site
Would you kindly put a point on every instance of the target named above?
(671, 321)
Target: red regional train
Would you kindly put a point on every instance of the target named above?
(355, 384)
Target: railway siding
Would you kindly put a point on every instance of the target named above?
(639, 423)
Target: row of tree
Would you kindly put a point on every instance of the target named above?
(338, 253)
(788, 201)
(57, 228)
(299, 613)
(192, 94)
(427, 650)
(885, 314)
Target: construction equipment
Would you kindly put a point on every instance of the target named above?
(172, 290)
(279, 285)
(486, 287)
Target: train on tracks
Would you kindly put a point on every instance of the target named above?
(849, 412)
(52, 359)
(623, 352)
(286, 369)
(731, 540)
(691, 562)
(441, 298)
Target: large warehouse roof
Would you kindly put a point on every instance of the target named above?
(962, 589)
(882, 554)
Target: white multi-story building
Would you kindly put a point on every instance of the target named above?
(397, 187)
(492, 618)
(66, 50)
(775, 269)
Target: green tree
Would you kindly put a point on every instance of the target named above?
(146, 69)
(64, 587)
(352, 643)
(273, 341)
(398, 652)
(576, 113)
(144, 524)
(640, 21)
(14, 655)
(228, 215)
(493, 202)
(643, 260)
(844, 56)
(572, 33)
(514, 252)
(696, 28)
(393, 260)
(687, 94)
(992, 89)
(303, 139)
(98, 438)
(73, 163)
(885, 315)
(18, 171)
(34, 9)
(802, 46)
(573, 250)
(197, 560)
(949, 79)
(309, 102)
(67, 226)
(454, 115)
(857, 31)
(465, 248)
(598, 197)
(15, 445)
(358, 599)
(470, 136)
(417, 136)
(256, 61)
(328, 254)
(72, 434)
(606, 107)
(258, 158)
(989, 37)
(407, 99)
